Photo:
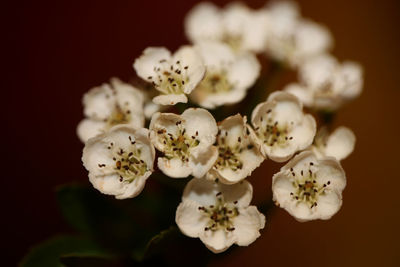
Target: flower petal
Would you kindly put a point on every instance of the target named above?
(150, 58)
(247, 225)
(170, 99)
(190, 220)
(340, 143)
(244, 71)
(174, 168)
(203, 162)
(217, 241)
(89, 128)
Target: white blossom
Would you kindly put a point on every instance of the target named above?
(339, 144)
(280, 126)
(186, 142)
(237, 154)
(109, 105)
(119, 161)
(219, 214)
(173, 76)
(326, 84)
(228, 75)
(309, 188)
(237, 25)
(292, 39)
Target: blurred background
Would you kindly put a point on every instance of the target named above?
(56, 50)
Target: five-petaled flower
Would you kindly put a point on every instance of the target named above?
(280, 126)
(309, 188)
(327, 85)
(109, 105)
(185, 141)
(219, 214)
(173, 75)
(339, 144)
(228, 75)
(240, 27)
(237, 154)
(119, 161)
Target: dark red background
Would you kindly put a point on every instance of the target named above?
(56, 50)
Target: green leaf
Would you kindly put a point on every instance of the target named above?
(48, 253)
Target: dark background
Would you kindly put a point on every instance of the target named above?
(56, 50)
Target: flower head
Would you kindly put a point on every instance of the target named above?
(339, 144)
(109, 105)
(236, 25)
(186, 142)
(326, 84)
(119, 161)
(219, 214)
(309, 188)
(228, 75)
(292, 39)
(173, 75)
(237, 154)
(281, 128)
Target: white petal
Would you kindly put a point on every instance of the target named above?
(99, 102)
(301, 92)
(340, 143)
(330, 171)
(328, 205)
(128, 97)
(188, 56)
(318, 71)
(288, 108)
(282, 186)
(303, 134)
(163, 121)
(217, 241)
(215, 54)
(204, 192)
(201, 164)
(211, 101)
(352, 74)
(203, 22)
(174, 168)
(89, 128)
(244, 71)
(150, 58)
(190, 220)
(200, 121)
(247, 225)
(170, 99)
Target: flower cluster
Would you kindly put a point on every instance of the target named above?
(216, 70)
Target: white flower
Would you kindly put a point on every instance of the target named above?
(173, 75)
(339, 144)
(119, 161)
(109, 105)
(228, 75)
(236, 25)
(238, 156)
(292, 39)
(280, 126)
(219, 214)
(326, 84)
(186, 142)
(309, 188)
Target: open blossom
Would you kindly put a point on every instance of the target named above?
(186, 142)
(327, 84)
(292, 39)
(219, 214)
(109, 105)
(339, 144)
(228, 75)
(119, 161)
(173, 76)
(237, 25)
(309, 188)
(280, 126)
(237, 154)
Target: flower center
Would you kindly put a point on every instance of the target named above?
(128, 163)
(272, 132)
(229, 156)
(216, 82)
(220, 215)
(233, 40)
(307, 190)
(178, 145)
(170, 78)
(118, 116)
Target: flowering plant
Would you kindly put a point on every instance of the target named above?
(178, 147)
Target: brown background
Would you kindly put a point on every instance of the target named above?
(56, 50)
